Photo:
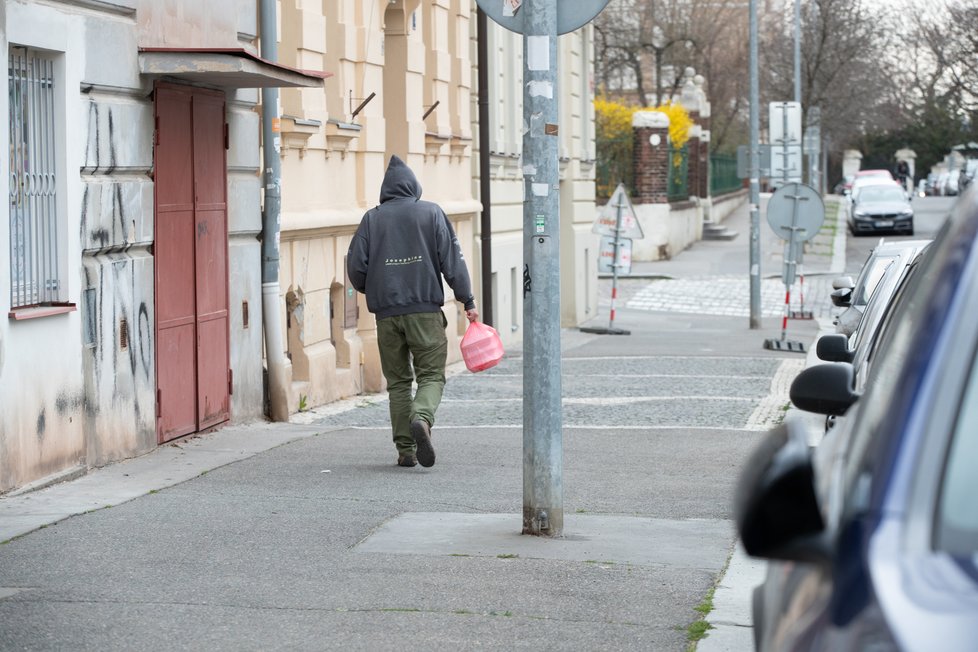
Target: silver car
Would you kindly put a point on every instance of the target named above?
(854, 296)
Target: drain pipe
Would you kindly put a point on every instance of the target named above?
(271, 145)
(485, 227)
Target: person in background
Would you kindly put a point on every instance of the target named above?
(902, 173)
(398, 256)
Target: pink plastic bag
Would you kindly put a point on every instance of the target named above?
(481, 347)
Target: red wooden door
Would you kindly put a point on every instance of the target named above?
(192, 364)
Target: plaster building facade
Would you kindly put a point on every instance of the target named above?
(405, 83)
(133, 287)
(133, 266)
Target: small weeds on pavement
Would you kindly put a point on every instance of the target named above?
(697, 629)
(508, 555)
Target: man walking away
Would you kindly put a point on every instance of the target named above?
(398, 257)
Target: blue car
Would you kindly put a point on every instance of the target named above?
(872, 536)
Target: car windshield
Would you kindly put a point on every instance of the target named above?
(881, 193)
(867, 282)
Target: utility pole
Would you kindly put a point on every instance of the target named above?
(540, 21)
(798, 51)
(754, 174)
(543, 502)
(271, 148)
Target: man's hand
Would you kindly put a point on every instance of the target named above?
(473, 315)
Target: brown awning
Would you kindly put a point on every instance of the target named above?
(226, 68)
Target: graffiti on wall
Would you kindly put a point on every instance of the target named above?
(117, 284)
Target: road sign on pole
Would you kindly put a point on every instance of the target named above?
(615, 256)
(795, 213)
(512, 14)
(617, 217)
(616, 220)
(743, 161)
(540, 21)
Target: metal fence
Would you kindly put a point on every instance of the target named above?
(723, 174)
(678, 181)
(615, 165)
(33, 201)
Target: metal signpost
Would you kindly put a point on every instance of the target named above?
(540, 22)
(813, 145)
(617, 225)
(784, 125)
(754, 172)
(795, 213)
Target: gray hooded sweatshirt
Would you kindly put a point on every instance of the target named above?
(403, 247)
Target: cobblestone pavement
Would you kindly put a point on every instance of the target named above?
(718, 295)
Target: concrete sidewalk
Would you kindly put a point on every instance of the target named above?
(306, 535)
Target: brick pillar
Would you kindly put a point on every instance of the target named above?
(650, 157)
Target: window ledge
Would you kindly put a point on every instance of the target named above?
(36, 312)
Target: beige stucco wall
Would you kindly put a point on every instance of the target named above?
(578, 246)
(410, 55)
(416, 57)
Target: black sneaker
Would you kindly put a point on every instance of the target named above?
(421, 432)
(407, 459)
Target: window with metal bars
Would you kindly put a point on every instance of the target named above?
(34, 257)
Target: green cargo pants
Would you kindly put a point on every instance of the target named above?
(420, 336)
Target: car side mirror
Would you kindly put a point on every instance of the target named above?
(843, 282)
(824, 389)
(776, 507)
(841, 298)
(834, 348)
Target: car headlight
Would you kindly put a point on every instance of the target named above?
(906, 213)
(861, 214)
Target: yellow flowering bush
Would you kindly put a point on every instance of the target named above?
(613, 132)
(613, 120)
(679, 123)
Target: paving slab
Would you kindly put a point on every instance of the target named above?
(587, 538)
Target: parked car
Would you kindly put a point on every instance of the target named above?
(853, 296)
(860, 348)
(881, 207)
(844, 185)
(873, 535)
(951, 183)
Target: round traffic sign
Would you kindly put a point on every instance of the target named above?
(571, 14)
(796, 212)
